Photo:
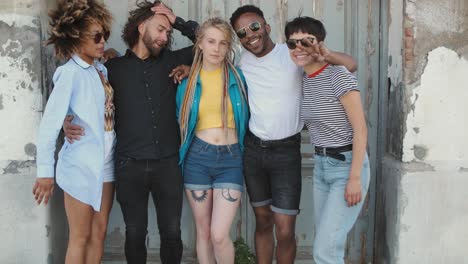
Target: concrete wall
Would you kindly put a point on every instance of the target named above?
(425, 171)
(24, 226)
(30, 234)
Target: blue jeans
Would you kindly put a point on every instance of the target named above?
(333, 218)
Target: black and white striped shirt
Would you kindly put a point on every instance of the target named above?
(322, 111)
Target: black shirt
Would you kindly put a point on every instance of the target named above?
(144, 99)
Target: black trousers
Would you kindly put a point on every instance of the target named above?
(135, 181)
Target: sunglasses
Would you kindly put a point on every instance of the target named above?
(254, 27)
(292, 43)
(98, 36)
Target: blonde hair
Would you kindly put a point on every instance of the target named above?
(70, 20)
(227, 65)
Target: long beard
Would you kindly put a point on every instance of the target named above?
(149, 44)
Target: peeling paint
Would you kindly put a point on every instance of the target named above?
(417, 167)
(14, 42)
(20, 82)
(14, 166)
(437, 112)
(435, 23)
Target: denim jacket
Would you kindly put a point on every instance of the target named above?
(240, 109)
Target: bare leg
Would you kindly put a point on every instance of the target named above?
(285, 226)
(264, 240)
(225, 204)
(201, 203)
(80, 216)
(95, 248)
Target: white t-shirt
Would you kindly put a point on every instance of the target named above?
(275, 93)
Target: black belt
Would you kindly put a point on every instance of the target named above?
(271, 143)
(334, 152)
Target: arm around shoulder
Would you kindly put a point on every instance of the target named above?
(338, 58)
(180, 95)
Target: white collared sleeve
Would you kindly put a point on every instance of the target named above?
(52, 120)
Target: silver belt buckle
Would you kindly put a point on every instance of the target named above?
(324, 151)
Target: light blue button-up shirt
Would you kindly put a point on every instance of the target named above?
(78, 91)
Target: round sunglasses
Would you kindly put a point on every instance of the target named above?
(98, 36)
(292, 43)
(254, 27)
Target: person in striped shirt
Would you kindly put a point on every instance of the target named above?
(332, 112)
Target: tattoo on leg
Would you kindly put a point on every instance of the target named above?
(227, 195)
(199, 198)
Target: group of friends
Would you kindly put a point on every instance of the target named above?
(137, 127)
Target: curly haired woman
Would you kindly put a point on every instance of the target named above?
(79, 29)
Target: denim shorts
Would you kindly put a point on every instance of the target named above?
(208, 166)
(273, 173)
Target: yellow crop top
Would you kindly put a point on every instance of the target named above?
(209, 112)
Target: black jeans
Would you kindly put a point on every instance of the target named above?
(135, 180)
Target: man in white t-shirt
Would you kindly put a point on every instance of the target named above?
(272, 157)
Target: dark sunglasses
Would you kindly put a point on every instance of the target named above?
(98, 36)
(292, 43)
(254, 27)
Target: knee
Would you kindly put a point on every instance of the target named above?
(170, 232)
(284, 232)
(264, 222)
(219, 238)
(321, 252)
(80, 239)
(135, 233)
(99, 231)
(204, 233)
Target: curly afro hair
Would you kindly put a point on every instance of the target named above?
(70, 21)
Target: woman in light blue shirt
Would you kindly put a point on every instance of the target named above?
(84, 169)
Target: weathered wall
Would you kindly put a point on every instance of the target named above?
(24, 226)
(25, 74)
(424, 174)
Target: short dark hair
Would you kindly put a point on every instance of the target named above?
(245, 9)
(305, 24)
(130, 33)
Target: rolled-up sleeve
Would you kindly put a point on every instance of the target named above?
(187, 28)
(52, 120)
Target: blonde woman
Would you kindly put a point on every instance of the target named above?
(85, 170)
(213, 114)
